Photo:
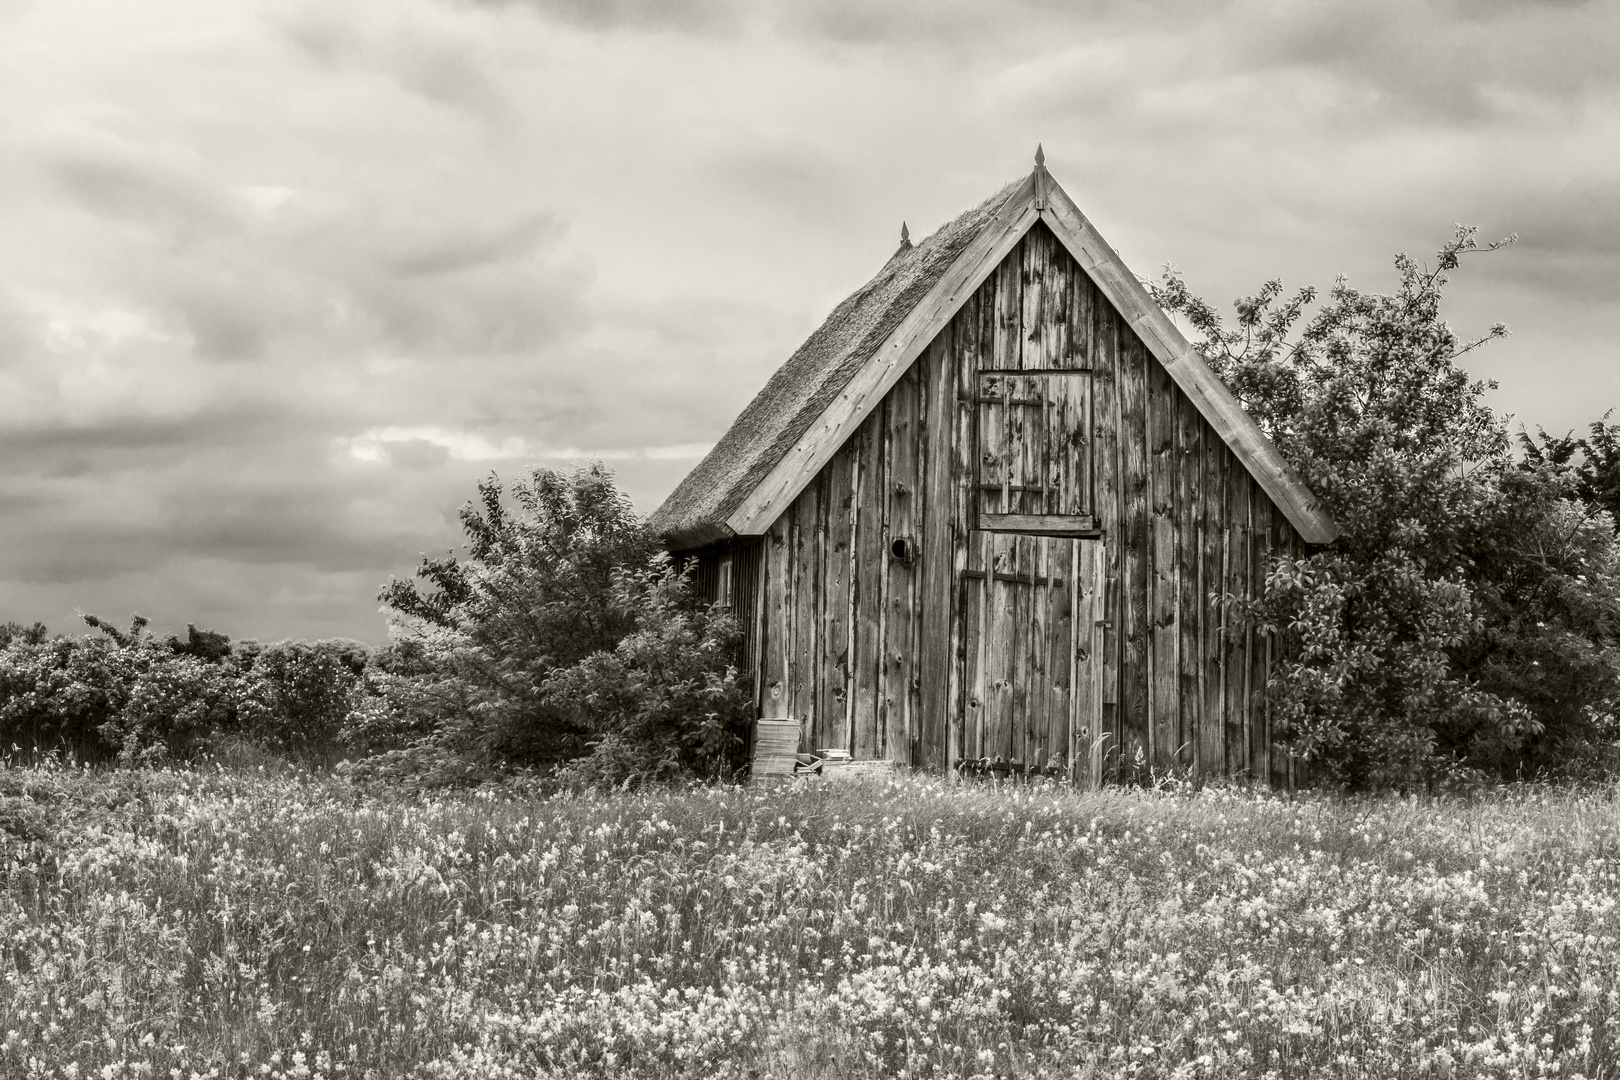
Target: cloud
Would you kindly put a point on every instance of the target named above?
(426, 50)
(381, 444)
(688, 15)
(124, 183)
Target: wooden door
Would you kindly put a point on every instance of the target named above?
(1034, 676)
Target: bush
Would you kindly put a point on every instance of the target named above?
(533, 594)
(27, 635)
(1546, 581)
(563, 640)
(123, 695)
(60, 694)
(295, 697)
(667, 701)
(1464, 623)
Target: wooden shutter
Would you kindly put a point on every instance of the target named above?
(1035, 452)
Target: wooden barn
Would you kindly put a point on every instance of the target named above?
(986, 512)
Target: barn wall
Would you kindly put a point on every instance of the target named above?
(868, 649)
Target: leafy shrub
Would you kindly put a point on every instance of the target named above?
(564, 639)
(1465, 621)
(174, 704)
(295, 697)
(123, 695)
(60, 694)
(1589, 463)
(1547, 583)
(27, 635)
(533, 594)
(667, 701)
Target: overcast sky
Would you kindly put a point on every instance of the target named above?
(279, 282)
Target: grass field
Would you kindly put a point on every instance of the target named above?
(163, 923)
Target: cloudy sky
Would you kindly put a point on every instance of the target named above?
(279, 282)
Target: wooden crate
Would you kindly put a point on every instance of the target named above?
(776, 747)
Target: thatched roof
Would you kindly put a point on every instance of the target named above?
(696, 512)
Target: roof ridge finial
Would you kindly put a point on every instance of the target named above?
(1040, 157)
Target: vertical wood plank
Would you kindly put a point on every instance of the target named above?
(1246, 629)
(1082, 703)
(835, 610)
(1007, 345)
(870, 556)
(1190, 527)
(1298, 771)
(1136, 548)
(806, 550)
(900, 600)
(1058, 438)
(1062, 430)
(1001, 644)
(986, 330)
(1067, 417)
(1234, 585)
(1281, 545)
(1032, 281)
(1095, 575)
(1060, 269)
(1032, 680)
(974, 615)
(1030, 460)
(777, 639)
(911, 753)
(1165, 588)
(886, 658)
(1059, 648)
(966, 338)
(1259, 644)
(992, 464)
(937, 570)
(1100, 344)
(1212, 736)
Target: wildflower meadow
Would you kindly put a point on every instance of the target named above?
(227, 924)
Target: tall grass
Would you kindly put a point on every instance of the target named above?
(288, 926)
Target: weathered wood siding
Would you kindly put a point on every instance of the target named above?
(890, 624)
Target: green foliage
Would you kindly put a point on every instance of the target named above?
(1591, 463)
(1370, 694)
(1463, 622)
(28, 635)
(1546, 580)
(294, 697)
(123, 695)
(205, 645)
(534, 593)
(171, 705)
(564, 639)
(667, 701)
(59, 694)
